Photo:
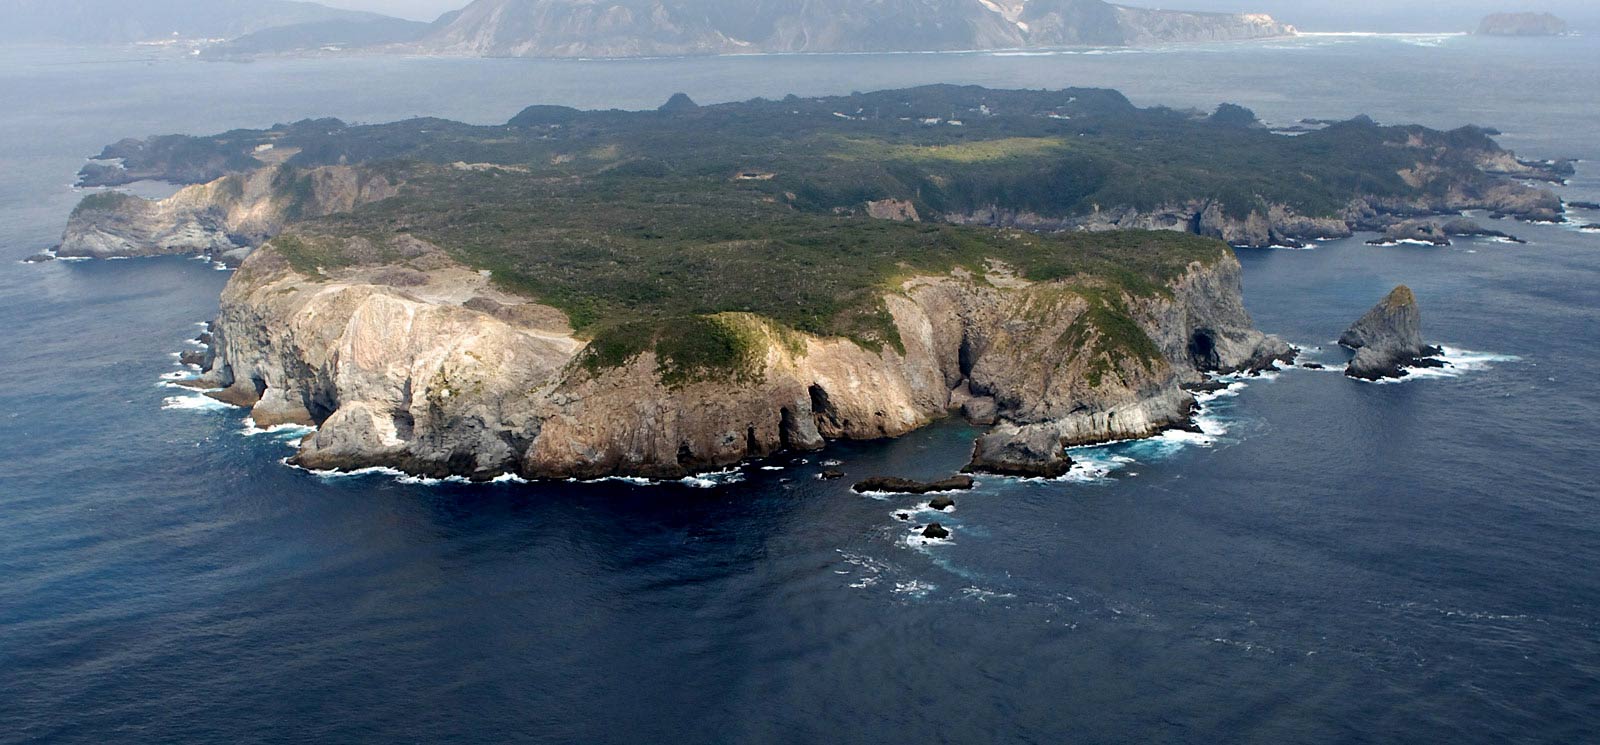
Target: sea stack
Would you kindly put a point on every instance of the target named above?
(1388, 338)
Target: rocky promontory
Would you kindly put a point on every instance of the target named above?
(1388, 338)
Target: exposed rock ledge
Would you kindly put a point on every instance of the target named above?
(427, 369)
(224, 219)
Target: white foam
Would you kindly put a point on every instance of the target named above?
(982, 595)
(295, 431)
(1458, 362)
(1233, 389)
(914, 587)
(195, 402)
(713, 480)
(634, 480)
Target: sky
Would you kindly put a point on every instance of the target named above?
(1319, 15)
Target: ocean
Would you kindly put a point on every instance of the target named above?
(1333, 561)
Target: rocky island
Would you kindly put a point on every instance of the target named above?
(1522, 24)
(584, 294)
(1389, 338)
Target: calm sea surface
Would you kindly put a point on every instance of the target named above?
(1339, 562)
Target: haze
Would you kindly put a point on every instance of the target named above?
(1314, 15)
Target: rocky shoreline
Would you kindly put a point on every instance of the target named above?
(451, 378)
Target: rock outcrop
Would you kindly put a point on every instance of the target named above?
(1434, 232)
(890, 485)
(1388, 338)
(225, 218)
(449, 376)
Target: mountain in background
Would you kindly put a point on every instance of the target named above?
(125, 21)
(335, 35)
(633, 28)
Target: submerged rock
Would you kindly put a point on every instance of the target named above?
(906, 486)
(1388, 338)
(936, 531)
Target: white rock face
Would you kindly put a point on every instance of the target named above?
(444, 375)
(218, 218)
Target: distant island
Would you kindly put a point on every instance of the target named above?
(580, 294)
(634, 28)
(1522, 24)
(130, 21)
(627, 28)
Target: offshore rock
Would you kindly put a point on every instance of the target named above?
(890, 485)
(1437, 233)
(1522, 24)
(1037, 451)
(1388, 338)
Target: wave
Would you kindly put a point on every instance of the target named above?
(279, 431)
(194, 402)
(1459, 362)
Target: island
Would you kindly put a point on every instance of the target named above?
(1522, 24)
(1388, 339)
(641, 28)
(581, 294)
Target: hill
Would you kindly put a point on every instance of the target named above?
(630, 28)
(125, 21)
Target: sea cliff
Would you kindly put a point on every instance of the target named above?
(424, 366)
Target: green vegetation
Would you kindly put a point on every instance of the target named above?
(639, 262)
(670, 230)
(1108, 333)
(105, 201)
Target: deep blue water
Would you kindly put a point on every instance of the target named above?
(1346, 563)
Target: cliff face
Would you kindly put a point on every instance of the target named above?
(223, 219)
(428, 369)
(627, 28)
